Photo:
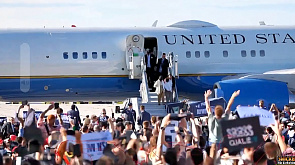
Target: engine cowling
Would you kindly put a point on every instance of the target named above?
(253, 90)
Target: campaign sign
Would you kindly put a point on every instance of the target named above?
(174, 107)
(93, 144)
(3, 119)
(266, 118)
(37, 114)
(241, 133)
(170, 134)
(199, 108)
(65, 120)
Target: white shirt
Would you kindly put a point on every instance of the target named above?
(168, 86)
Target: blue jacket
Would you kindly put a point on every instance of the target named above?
(144, 116)
(131, 115)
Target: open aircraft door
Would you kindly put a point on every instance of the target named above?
(134, 54)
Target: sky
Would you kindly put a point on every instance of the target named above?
(142, 13)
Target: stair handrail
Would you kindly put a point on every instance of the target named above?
(144, 90)
(173, 70)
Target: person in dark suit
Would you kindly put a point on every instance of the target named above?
(150, 63)
(75, 114)
(8, 128)
(162, 66)
(143, 116)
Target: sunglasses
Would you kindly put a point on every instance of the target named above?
(104, 113)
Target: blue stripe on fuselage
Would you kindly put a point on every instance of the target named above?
(94, 88)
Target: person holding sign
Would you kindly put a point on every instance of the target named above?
(215, 130)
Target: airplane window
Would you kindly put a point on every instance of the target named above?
(84, 55)
(207, 54)
(188, 54)
(197, 54)
(103, 55)
(262, 53)
(66, 55)
(253, 53)
(225, 53)
(75, 55)
(243, 53)
(94, 55)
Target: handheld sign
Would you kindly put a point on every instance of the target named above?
(266, 118)
(3, 119)
(37, 114)
(241, 133)
(93, 144)
(174, 107)
(199, 108)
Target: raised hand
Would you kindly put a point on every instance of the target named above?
(207, 93)
(50, 107)
(166, 121)
(236, 93)
(21, 106)
(277, 128)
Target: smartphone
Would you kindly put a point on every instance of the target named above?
(117, 109)
(56, 105)
(113, 115)
(25, 102)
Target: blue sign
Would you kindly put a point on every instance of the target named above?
(64, 118)
(3, 119)
(199, 108)
(174, 107)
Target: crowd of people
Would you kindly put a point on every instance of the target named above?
(44, 139)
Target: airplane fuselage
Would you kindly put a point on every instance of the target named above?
(90, 64)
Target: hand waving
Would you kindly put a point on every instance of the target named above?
(207, 93)
(236, 93)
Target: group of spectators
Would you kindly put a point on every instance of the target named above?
(197, 141)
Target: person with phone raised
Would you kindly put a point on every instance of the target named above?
(47, 127)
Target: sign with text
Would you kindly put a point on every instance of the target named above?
(199, 108)
(93, 144)
(241, 133)
(37, 114)
(170, 134)
(3, 119)
(266, 118)
(174, 107)
(64, 118)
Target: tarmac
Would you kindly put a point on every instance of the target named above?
(9, 110)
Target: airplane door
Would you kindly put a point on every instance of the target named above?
(134, 54)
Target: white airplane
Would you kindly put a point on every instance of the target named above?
(96, 64)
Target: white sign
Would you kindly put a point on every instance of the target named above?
(170, 134)
(93, 144)
(266, 118)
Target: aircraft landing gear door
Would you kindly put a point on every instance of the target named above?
(134, 54)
